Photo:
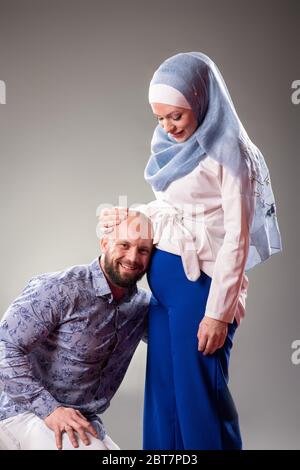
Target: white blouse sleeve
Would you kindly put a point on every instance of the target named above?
(229, 283)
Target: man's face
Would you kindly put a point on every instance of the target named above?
(126, 257)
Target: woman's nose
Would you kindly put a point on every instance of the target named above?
(168, 126)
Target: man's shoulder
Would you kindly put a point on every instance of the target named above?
(56, 279)
(143, 296)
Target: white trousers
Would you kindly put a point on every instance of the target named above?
(27, 431)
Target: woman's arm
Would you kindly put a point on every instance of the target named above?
(229, 284)
(228, 277)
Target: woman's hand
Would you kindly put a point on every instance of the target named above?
(109, 218)
(211, 335)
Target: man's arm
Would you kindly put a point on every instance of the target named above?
(26, 323)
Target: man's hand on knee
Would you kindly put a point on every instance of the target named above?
(70, 421)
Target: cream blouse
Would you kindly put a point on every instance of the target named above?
(205, 217)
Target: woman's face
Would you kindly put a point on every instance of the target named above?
(179, 122)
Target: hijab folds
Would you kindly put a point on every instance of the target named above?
(192, 80)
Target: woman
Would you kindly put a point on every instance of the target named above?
(214, 217)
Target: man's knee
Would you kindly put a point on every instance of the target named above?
(95, 444)
(28, 432)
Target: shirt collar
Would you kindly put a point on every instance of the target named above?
(101, 285)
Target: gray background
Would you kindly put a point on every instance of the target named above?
(75, 132)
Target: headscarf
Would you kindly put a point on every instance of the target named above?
(220, 134)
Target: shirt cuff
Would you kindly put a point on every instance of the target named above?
(44, 404)
(226, 318)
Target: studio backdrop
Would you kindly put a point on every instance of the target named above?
(75, 132)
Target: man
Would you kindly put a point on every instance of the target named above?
(67, 341)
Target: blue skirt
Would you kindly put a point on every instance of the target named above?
(187, 401)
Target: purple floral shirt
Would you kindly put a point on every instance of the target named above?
(66, 342)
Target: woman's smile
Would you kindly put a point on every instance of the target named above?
(179, 122)
(177, 134)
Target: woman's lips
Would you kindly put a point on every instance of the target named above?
(177, 134)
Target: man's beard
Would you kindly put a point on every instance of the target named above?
(116, 277)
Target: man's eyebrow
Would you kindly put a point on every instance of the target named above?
(144, 247)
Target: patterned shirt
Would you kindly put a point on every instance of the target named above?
(66, 342)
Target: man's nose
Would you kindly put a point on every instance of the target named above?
(132, 255)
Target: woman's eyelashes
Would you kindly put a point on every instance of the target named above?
(175, 118)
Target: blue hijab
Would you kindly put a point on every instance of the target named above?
(221, 135)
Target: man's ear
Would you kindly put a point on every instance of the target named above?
(104, 244)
